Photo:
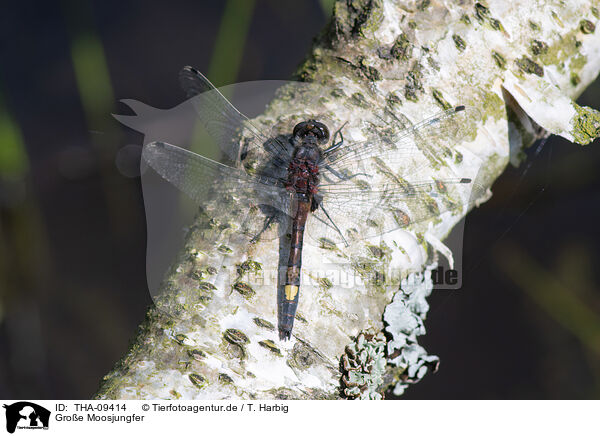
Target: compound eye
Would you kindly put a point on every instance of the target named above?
(315, 128)
(300, 129)
(322, 132)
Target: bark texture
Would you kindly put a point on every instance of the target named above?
(520, 63)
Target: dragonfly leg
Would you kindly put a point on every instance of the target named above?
(334, 225)
(316, 202)
(336, 145)
(338, 174)
(268, 221)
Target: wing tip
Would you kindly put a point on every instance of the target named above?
(153, 149)
(459, 108)
(193, 81)
(189, 68)
(156, 144)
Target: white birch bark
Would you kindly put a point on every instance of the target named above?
(515, 61)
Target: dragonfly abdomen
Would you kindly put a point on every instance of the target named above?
(289, 303)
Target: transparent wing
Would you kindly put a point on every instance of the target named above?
(374, 186)
(433, 139)
(203, 180)
(224, 122)
(348, 213)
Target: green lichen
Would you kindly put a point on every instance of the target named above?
(192, 254)
(433, 64)
(459, 42)
(493, 106)
(362, 68)
(198, 380)
(225, 379)
(530, 67)
(248, 266)
(236, 337)
(557, 19)
(431, 205)
(413, 83)
(393, 100)
(362, 184)
(586, 125)
(481, 12)
(367, 14)
(557, 52)
(496, 25)
(338, 93)
(401, 217)
(370, 268)
(224, 249)
(300, 318)
(439, 98)
(400, 49)
(575, 80)
(250, 166)
(386, 171)
(458, 157)
(197, 354)
(577, 63)
(586, 26)
(465, 19)
(369, 72)
(270, 345)
(423, 4)
(206, 286)
(324, 283)
(326, 244)
(244, 289)
(196, 275)
(499, 59)
(375, 251)
(371, 223)
(538, 47)
(185, 363)
(180, 338)
(263, 323)
(534, 26)
(595, 12)
(360, 100)
(363, 266)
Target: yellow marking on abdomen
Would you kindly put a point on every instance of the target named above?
(290, 291)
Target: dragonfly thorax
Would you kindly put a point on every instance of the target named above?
(303, 171)
(307, 152)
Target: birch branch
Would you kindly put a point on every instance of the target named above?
(521, 63)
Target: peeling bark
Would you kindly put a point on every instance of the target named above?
(516, 62)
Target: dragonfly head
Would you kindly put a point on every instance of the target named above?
(312, 130)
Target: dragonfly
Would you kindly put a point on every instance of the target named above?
(314, 181)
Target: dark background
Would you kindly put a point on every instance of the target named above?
(526, 323)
